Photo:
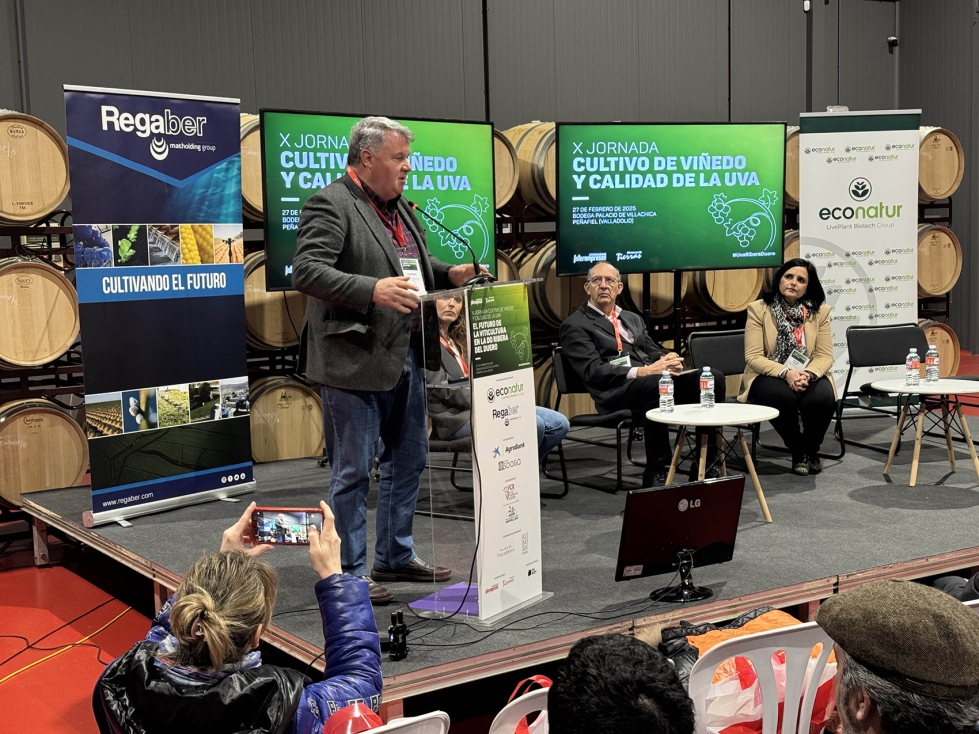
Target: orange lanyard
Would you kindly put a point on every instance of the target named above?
(458, 355)
(615, 325)
(395, 225)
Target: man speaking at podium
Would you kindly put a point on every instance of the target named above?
(362, 259)
(621, 366)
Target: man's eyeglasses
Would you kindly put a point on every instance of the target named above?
(599, 279)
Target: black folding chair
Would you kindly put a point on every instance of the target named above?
(722, 351)
(875, 346)
(568, 383)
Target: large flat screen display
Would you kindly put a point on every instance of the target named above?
(657, 197)
(451, 179)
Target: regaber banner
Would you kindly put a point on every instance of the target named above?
(858, 214)
(504, 427)
(156, 207)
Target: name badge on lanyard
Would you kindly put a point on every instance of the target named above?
(411, 267)
(797, 360)
(622, 361)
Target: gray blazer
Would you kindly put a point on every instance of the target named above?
(449, 408)
(342, 251)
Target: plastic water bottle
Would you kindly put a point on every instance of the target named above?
(931, 364)
(666, 393)
(706, 388)
(912, 369)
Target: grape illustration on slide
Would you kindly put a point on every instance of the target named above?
(467, 222)
(742, 218)
(518, 340)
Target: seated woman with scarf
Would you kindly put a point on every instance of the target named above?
(788, 351)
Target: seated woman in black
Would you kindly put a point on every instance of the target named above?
(788, 351)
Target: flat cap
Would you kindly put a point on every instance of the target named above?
(912, 635)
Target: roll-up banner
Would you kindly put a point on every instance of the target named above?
(504, 427)
(858, 213)
(156, 206)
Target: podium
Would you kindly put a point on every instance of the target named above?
(480, 385)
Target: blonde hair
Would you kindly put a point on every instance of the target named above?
(228, 595)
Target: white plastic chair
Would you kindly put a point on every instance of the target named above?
(507, 720)
(797, 642)
(436, 722)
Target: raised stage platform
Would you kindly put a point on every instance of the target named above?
(841, 528)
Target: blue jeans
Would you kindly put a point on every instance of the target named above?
(359, 419)
(552, 427)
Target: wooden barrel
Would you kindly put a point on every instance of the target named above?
(534, 145)
(506, 269)
(33, 168)
(251, 167)
(552, 299)
(41, 447)
(660, 293)
(790, 252)
(546, 391)
(941, 163)
(39, 313)
(273, 319)
(939, 260)
(947, 344)
(506, 168)
(728, 291)
(286, 419)
(792, 166)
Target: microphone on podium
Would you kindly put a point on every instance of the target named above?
(479, 277)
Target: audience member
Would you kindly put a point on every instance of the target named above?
(908, 659)
(618, 685)
(200, 669)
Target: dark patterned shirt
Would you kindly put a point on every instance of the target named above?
(390, 219)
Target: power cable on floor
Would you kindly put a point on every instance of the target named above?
(58, 629)
(65, 648)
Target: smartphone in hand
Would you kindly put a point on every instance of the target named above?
(285, 525)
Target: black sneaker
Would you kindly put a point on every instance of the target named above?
(800, 467)
(654, 477)
(815, 466)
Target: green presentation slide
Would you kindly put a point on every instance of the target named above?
(452, 180)
(669, 197)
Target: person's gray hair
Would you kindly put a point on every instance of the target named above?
(370, 134)
(903, 711)
(592, 268)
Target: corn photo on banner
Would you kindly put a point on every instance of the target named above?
(156, 195)
(858, 218)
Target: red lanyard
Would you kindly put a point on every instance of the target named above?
(615, 325)
(797, 331)
(458, 355)
(396, 225)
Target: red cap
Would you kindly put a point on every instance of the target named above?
(352, 719)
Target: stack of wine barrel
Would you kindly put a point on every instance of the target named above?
(42, 446)
(286, 414)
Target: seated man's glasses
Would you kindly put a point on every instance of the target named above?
(598, 279)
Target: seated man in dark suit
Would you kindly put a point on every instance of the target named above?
(621, 366)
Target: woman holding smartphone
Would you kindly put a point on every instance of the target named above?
(200, 669)
(788, 351)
